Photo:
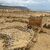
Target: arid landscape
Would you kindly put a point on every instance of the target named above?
(24, 29)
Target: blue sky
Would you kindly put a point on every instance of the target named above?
(32, 4)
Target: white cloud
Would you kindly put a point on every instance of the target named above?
(22, 2)
(13, 2)
(49, 1)
(18, 2)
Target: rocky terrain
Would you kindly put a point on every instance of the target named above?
(14, 34)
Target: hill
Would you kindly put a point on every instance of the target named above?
(14, 7)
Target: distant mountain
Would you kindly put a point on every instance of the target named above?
(17, 7)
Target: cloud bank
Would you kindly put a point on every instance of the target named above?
(17, 2)
(33, 4)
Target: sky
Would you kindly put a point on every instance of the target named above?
(31, 4)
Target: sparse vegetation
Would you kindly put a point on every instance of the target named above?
(6, 39)
(16, 22)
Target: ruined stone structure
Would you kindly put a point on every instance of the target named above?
(35, 22)
(46, 20)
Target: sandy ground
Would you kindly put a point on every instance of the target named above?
(1, 44)
(43, 42)
(15, 27)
